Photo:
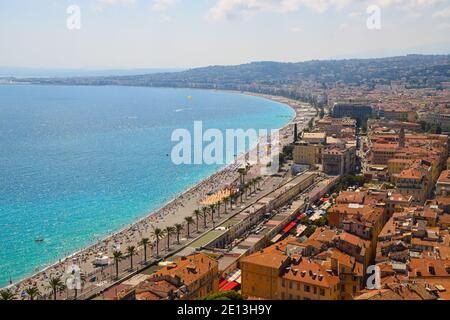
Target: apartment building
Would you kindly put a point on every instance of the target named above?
(443, 184)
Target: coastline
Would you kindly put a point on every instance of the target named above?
(155, 217)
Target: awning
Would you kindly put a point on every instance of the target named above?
(289, 227)
(223, 283)
(276, 238)
(230, 286)
(300, 216)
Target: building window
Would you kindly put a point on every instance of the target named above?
(322, 292)
(307, 288)
(290, 284)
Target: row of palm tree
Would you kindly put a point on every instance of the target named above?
(204, 212)
(130, 252)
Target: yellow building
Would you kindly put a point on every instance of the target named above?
(279, 272)
(198, 272)
(416, 182)
(307, 153)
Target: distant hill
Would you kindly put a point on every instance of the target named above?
(417, 70)
(19, 72)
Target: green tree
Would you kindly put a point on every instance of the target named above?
(32, 293)
(205, 216)
(158, 234)
(56, 285)
(178, 228)
(145, 242)
(131, 251)
(189, 221)
(212, 211)
(225, 295)
(169, 231)
(117, 256)
(7, 295)
(197, 215)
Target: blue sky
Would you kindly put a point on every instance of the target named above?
(191, 33)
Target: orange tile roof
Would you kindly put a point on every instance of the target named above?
(444, 177)
(190, 268)
(429, 267)
(310, 272)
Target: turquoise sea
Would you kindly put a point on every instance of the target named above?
(77, 163)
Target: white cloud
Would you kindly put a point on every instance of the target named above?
(231, 9)
(443, 26)
(355, 14)
(113, 2)
(407, 4)
(297, 29)
(444, 13)
(162, 5)
(101, 4)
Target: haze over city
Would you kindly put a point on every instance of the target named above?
(193, 33)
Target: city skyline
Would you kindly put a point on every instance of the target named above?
(187, 33)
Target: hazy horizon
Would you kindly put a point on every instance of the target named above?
(182, 34)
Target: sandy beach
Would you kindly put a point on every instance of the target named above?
(172, 213)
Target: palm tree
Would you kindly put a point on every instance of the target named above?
(225, 200)
(242, 173)
(204, 215)
(158, 234)
(212, 210)
(32, 292)
(189, 221)
(197, 214)
(145, 242)
(117, 255)
(231, 198)
(55, 285)
(169, 231)
(7, 295)
(131, 250)
(178, 228)
(242, 189)
(218, 204)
